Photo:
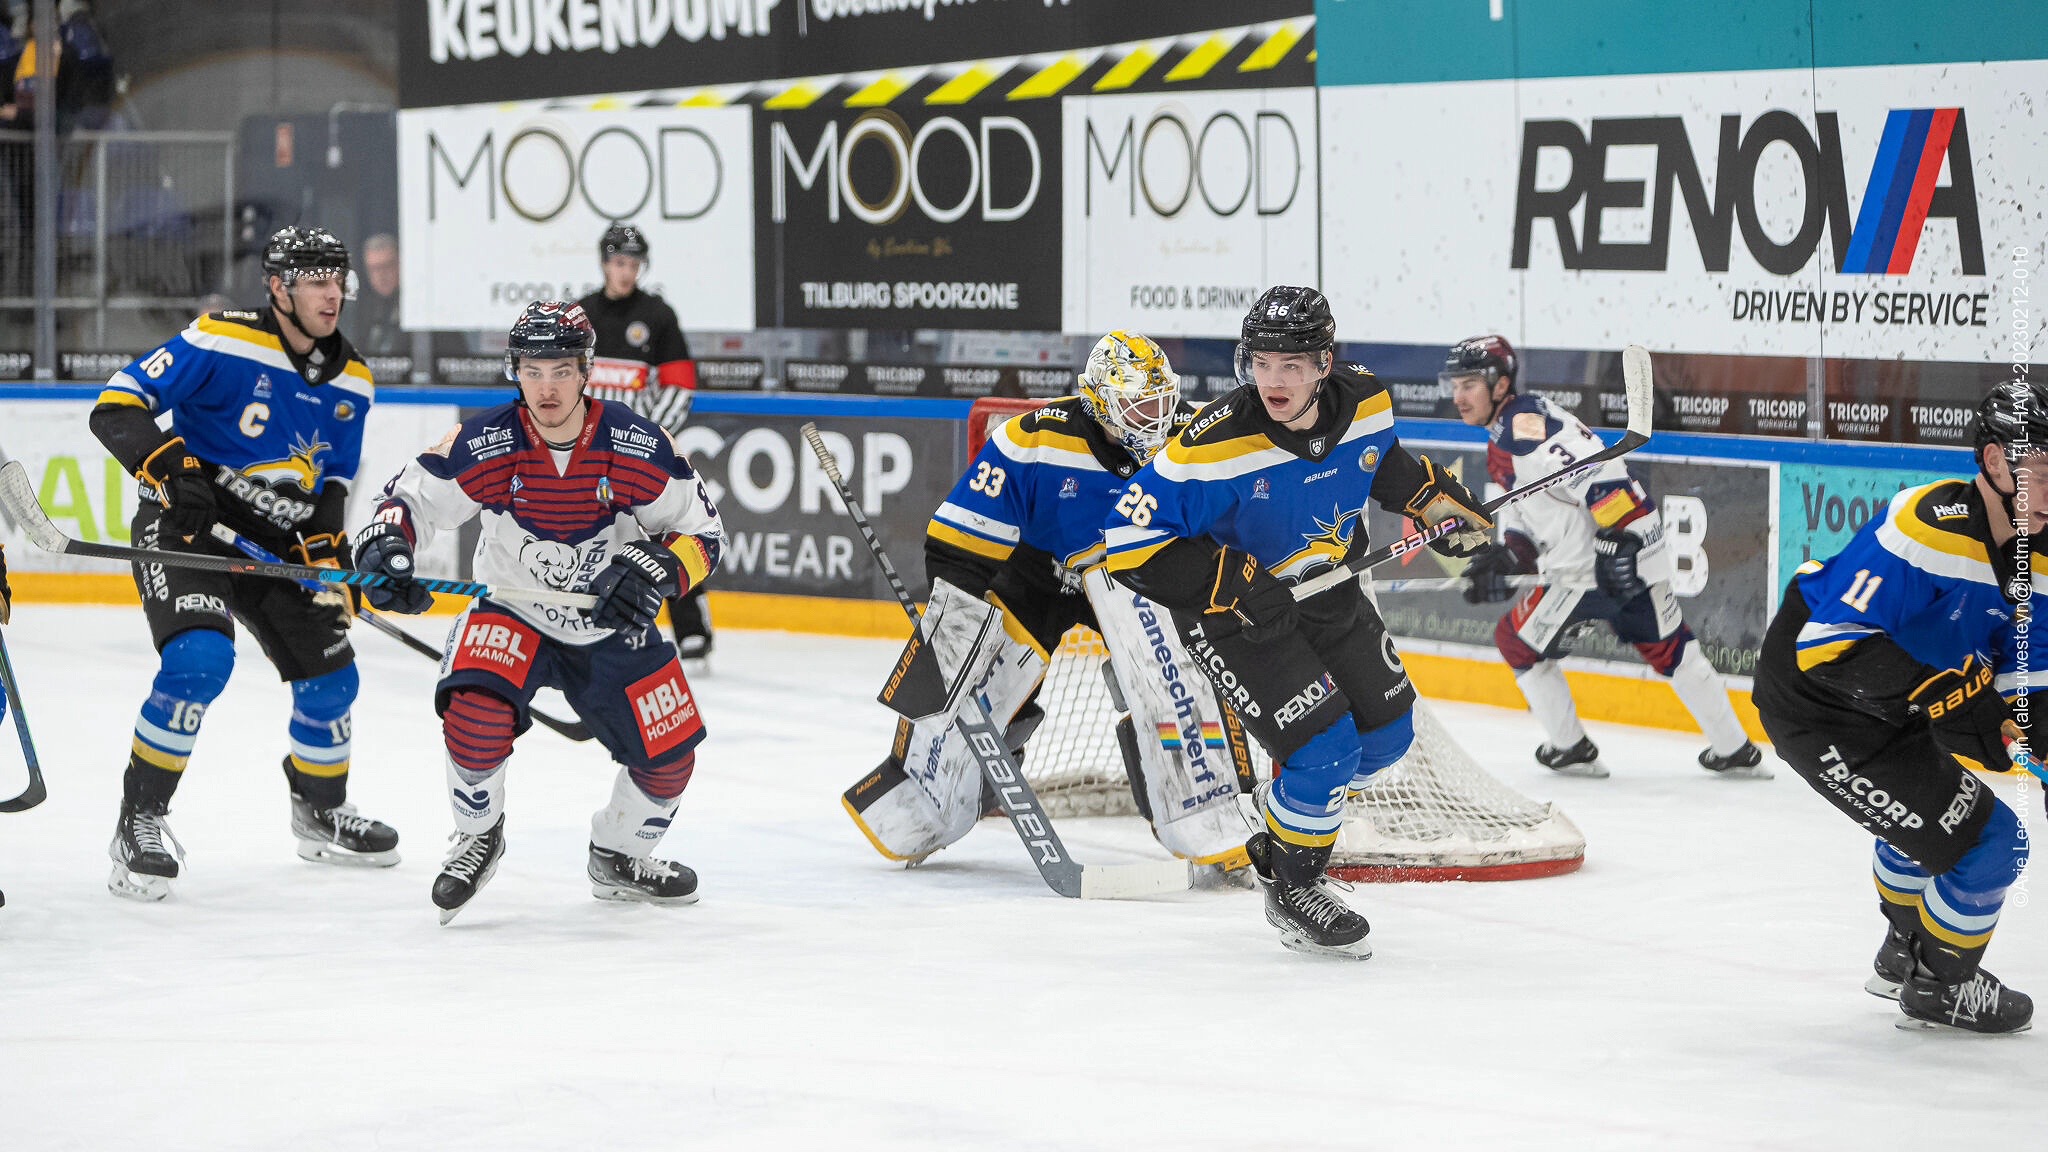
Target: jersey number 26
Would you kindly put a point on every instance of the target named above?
(1137, 507)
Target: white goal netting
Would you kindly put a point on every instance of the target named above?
(1434, 815)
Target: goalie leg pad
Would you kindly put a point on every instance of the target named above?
(1176, 743)
(927, 794)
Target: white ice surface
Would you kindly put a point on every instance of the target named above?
(1697, 985)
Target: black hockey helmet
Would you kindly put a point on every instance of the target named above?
(549, 330)
(2014, 416)
(294, 253)
(1491, 356)
(1289, 319)
(622, 239)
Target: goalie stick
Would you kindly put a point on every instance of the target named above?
(1635, 378)
(18, 497)
(35, 793)
(573, 729)
(984, 738)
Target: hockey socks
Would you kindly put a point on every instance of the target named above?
(320, 736)
(1305, 806)
(1550, 698)
(478, 728)
(634, 822)
(1699, 688)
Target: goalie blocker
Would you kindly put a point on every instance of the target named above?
(1186, 759)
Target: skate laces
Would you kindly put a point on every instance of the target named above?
(1978, 996)
(648, 868)
(1319, 904)
(150, 833)
(468, 858)
(346, 820)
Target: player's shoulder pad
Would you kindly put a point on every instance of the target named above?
(1943, 506)
(622, 431)
(487, 435)
(1060, 423)
(242, 316)
(1227, 418)
(1936, 520)
(1522, 423)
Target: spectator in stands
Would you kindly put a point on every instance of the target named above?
(373, 320)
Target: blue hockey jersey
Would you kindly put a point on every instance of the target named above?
(1920, 575)
(275, 428)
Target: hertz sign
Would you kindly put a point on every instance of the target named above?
(1899, 196)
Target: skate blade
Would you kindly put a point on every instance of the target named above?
(1882, 988)
(327, 852)
(448, 914)
(1915, 1024)
(623, 895)
(1295, 942)
(1757, 772)
(1591, 770)
(136, 886)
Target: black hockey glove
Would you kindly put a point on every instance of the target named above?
(191, 502)
(330, 550)
(382, 548)
(1614, 564)
(1489, 571)
(1966, 714)
(1250, 599)
(631, 588)
(1442, 497)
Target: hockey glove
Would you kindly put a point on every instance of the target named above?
(1966, 714)
(1440, 498)
(1490, 569)
(330, 550)
(382, 548)
(631, 588)
(1251, 598)
(1614, 564)
(191, 502)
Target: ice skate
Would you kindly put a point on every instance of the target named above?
(1745, 763)
(1310, 916)
(1893, 964)
(1581, 759)
(1980, 1004)
(617, 876)
(144, 852)
(468, 868)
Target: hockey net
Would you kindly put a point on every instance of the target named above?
(1433, 815)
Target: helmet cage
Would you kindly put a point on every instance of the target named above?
(1126, 375)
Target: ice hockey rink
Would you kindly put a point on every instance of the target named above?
(1698, 984)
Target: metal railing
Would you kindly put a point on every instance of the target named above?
(144, 221)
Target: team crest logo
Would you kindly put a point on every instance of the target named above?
(1069, 488)
(553, 562)
(1261, 490)
(302, 467)
(516, 485)
(638, 333)
(1370, 458)
(344, 411)
(262, 389)
(604, 489)
(1315, 446)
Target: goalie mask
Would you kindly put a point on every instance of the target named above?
(1131, 390)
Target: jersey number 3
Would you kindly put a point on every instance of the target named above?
(988, 481)
(1137, 507)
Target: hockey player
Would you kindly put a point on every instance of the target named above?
(267, 410)
(1268, 486)
(578, 495)
(1014, 537)
(643, 362)
(1884, 680)
(1599, 544)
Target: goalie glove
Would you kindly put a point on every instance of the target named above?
(1614, 564)
(1440, 498)
(1255, 599)
(1966, 714)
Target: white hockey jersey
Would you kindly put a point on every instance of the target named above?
(556, 523)
(1531, 438)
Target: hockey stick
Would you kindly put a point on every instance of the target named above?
(1061, 872)
(18, 497)
(34, 793)
(1635, 376)
(573, 729)
(1447, 583)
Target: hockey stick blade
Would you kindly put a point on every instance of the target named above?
(35, 793)
(18, 496)
(984, 740)
(573, 729)
(1635, 376)
(1062, 873)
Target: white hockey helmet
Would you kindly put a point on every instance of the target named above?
(1131, 390)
